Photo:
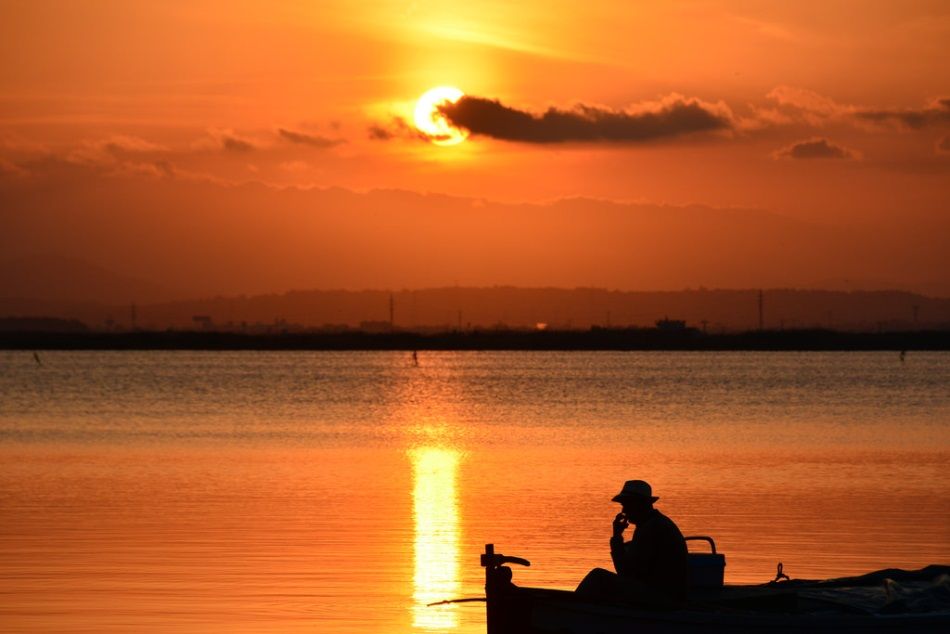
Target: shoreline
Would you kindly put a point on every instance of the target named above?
(489, 340)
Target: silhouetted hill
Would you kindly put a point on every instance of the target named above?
(65, 279)
(209, 239)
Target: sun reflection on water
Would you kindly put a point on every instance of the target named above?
(436, 516)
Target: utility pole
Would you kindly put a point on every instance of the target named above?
(761, 310)
(392, 311)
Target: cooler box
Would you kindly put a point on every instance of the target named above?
(706, 570)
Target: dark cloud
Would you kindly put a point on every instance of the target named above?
(816, 110)
(674, 116)
(302, 138)
(816, 148)
(398, 128)
(234, 144)
(154, 169)
(8, 168)
(165, 168)
(379, 133)
(122, 144)
(935, 114)
(68, 166)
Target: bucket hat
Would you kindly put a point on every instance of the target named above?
(635, 489)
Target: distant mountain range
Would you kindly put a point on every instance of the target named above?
(203, 239)
(72, 289)
(63, 279)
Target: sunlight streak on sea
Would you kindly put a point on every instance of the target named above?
(436, 516)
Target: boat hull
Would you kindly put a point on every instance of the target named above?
(537, 611)
(884, 601)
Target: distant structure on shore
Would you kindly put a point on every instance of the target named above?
(203, 322)
(509, 308)
(375, 326)
(41, 324)
(670, 325)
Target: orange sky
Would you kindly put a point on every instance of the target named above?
(823, 112)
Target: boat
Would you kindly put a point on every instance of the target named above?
(884, 601)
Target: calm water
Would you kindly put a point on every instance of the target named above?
(340, 492)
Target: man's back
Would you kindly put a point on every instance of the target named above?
(656, 556)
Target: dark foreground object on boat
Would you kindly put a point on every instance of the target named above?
(884, 601)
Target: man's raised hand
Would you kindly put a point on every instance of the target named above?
(620, 524)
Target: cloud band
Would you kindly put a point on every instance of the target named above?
(672, 117)
(816, 148)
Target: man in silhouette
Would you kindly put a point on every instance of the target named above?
(651, 567)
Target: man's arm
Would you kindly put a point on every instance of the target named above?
(616, 543)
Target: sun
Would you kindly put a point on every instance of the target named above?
(431, 122)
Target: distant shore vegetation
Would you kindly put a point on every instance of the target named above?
(53, 334)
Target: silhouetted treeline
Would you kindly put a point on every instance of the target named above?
(41, 324)
(595, 339)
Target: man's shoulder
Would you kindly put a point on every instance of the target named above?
(661, 522)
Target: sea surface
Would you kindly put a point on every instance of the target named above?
(341, 492)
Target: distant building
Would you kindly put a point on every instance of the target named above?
(333, 328)
(376, 326)
(668, 324)
(203, 322)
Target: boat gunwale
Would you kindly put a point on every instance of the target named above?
(709, 614)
